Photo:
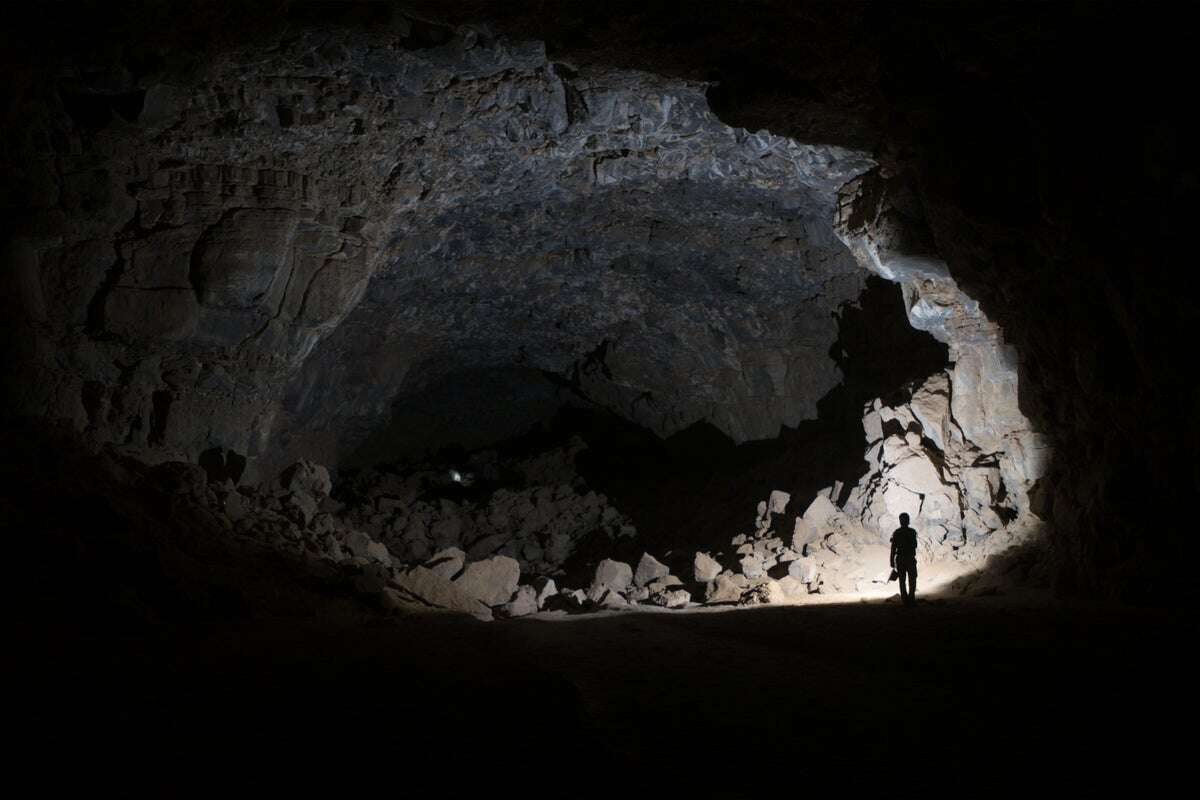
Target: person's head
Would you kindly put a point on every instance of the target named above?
(904, 520)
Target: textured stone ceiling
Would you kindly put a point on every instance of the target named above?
(290, 247)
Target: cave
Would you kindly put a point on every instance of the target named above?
(536, 396)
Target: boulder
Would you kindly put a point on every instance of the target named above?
(803, 570)
(819, 511)
(726, 589)
(793, 588)
(523, 604)
(664, 583)
(424, 586)
(649, 569)
(706, 568)
(675, 598)
(803, 534)
(777, 502)
(447, 563)
(305, 476)
(611, 599)
(363, 546)
(917, 474)
(762, 593)
(872, 426)
(752, 565)
(491, 581)
(610, 576)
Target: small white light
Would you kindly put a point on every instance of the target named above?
(456, 476)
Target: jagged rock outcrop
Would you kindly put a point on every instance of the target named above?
(977, 407)
(968, 505)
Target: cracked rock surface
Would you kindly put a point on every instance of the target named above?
(312, 246)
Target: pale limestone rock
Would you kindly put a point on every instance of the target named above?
(984, 400)
(901, 415)
(664, 583)
(424, 586)
(726, 589)
(523, 603)
(705, 568)
(676, 598)
(931, 406)
(777, 502)
(763, 593)
(819, 512)
(648, 569)
(447, 563)
(792, 588)
(491, 581)
(916, 473)
(873, 426)
(803, 534)
(612, 600)
(611, 576)
(752, 566)
(803, 570)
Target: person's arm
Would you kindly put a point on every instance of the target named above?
(892, 558)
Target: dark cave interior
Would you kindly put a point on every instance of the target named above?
(444, 390)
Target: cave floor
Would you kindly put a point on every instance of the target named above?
(962, 697)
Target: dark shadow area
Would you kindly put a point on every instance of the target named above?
(164, 660)
(471, 408)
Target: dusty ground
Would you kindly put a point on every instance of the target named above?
(950, 698)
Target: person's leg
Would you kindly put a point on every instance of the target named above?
(912, 583)
(903, 583)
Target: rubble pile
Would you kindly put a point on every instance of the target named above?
(538, 524)
(491, 538)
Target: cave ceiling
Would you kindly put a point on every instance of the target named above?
(292, 245)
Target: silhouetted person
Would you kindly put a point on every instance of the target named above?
(904, 560)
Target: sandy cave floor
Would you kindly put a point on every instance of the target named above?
(958, 696)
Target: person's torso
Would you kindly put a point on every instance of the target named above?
(906, 543)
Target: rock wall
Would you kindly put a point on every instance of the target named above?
(972, 415)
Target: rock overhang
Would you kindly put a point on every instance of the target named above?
(456, 206)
